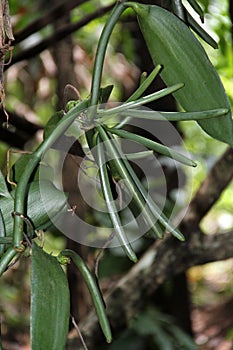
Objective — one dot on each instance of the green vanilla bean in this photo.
(200, 31)
(151, 204)
(172, 116)
(20, 193)
(91, 137)
(141, 101)
(119, 163)
(152, 145)
(178, 9)
(145, 84)
(93, 289)
(197, 8)
(138, 155)
(142, 88)
(112, 210)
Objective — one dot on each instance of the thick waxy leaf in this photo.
(20, 165)
(172, 44)
(54, 201)
(3, 187)
(50, 302)
(2, 232)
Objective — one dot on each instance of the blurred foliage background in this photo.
(32, 88)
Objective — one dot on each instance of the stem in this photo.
(100, 54)
(21, 189)
(6, 259)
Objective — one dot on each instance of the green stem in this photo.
(6, 259)
(21, 189)
(100, 54)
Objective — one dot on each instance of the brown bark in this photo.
(217, 180)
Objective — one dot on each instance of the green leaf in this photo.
(147, 325)
(18, 168)
(7, 207)
(2, 232)
(50, 302)
(20, 165)
(54, 202)
(54, 199)
(3, 187)
(172, 44)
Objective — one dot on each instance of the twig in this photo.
(79, 333)
(55, 13)
(58, 36)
